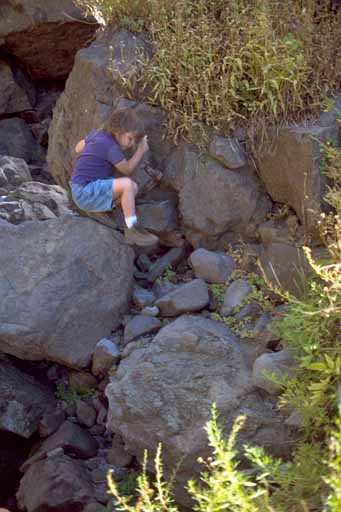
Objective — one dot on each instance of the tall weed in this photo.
(227, 64)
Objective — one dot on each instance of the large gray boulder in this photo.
(85, 104)
(23, 401)
(64, 284)
(164, 394)
(214, 200)
(291, 171)
(44, 35)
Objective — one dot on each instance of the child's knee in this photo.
(131, 185)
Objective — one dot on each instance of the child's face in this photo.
(126, 140)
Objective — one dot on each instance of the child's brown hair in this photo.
(122, 121)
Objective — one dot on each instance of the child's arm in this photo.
(80, 146)
(127, 166)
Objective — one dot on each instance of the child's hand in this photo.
(143, 144)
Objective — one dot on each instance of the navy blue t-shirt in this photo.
(95, 162)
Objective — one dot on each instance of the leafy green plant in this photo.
(70, 395)
(152, 496)
(127, 486)
(333, 479)
(167, 275)
(218, 291)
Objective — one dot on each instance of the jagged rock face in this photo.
(13, 98)
(34, 201)
(13, 172)
(164, 394)
(44, 35)
(214, 199)
(85, 104)
(16, 140)
(23, 401)
(285, 266)
(55, 483)
(291, 172)
(64, 286)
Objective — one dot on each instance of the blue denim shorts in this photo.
(95, 196)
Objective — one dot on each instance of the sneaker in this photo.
(102, 218)
(139, 236)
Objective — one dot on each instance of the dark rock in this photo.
(186, 298)
(291, 171)
(117, 454)
(74, 440)
(230, 204)
(163, 287)
(35, 32)
(228, 151)
(234, 295)
(139, 326)
(170, 259)
(12, 97)
(16, 140)
(102, 416)
(106, 355)
(150, 311)
(158, 217)
(57, 483)
(54, 197)
(18, 211)
(51, 422)
(272, 231)
(86, 414)
(97, 430)
(213, 267)
(68, 281)
(81, 382)
(285, 267)
(13, 172)
(142, 297)
(278, 363)
(251, 310)
(23, 401)
(143, 262)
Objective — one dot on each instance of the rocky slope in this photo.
(106, 351)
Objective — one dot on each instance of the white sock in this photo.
(130, 221)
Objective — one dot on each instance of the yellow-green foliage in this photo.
(225, 63)
(334, 464)
(272, 486)
(332, 169)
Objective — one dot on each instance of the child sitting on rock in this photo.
(92, 184)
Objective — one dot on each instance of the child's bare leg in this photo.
(124, 191)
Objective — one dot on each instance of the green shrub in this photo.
(272, 485)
